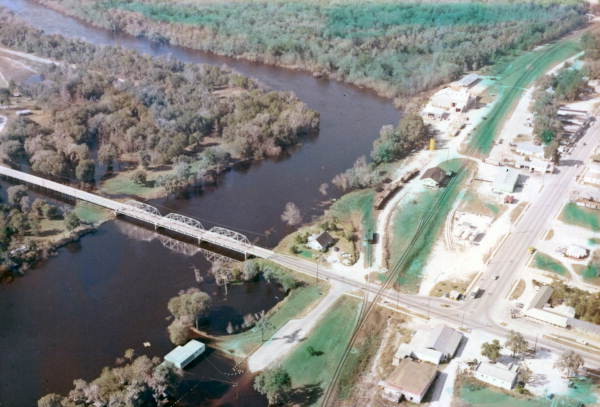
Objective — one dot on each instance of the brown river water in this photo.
(80, 310)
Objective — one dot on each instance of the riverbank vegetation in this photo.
(30, 230)
(394, 48)
(301, 294)
(140, 381)
(128, 110)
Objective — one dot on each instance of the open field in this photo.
(577, 215)
(512, 79)
(545, 262)
(407, 219)
(330, 337)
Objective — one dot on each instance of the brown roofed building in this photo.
(324, 241)
(410, 380)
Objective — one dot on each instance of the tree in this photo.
(525, 374)
(570, 363)
(15, 193)
(291, 214)
(139, 177)
(50, 400)
(186, 307)
(85, 171)
(72, 221)
(274, 384)
(4, 96)
(491, 350)
(517, 343)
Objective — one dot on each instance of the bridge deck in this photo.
(221, 237)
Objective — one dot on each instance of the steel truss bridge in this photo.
(148, 214)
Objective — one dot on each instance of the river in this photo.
(79, 311)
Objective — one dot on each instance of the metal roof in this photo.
(468, 80)
(541, 297)
(180, 354)
(497, 371)
(444, 339)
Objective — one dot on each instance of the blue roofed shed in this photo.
(181, 356)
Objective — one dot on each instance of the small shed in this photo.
(497, 375)
(182, 356)
(506, 180)
(530, 149)
(434, 177)
(324, 241)
(25, 112)
(410, 380)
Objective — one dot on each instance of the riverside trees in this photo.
(395, 48)
(152, 111)
(186, 308)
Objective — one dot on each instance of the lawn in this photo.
(544, 262)
(92, 214)
(580, 216)
(330, 336)
(591, 271)
(414, 250)
(122, 184)
(512, 78)
(294, 304)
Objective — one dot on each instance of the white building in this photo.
(448, 101)
(182, 356)
(497, 374)
(410, 380)
(505, 180)
(547, 316)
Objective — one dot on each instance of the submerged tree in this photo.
(187, 307)
(291, 215)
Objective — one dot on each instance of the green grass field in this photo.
(330, 336)
(580, 216)
(90, 213)
(296, 302)
(512, 79)
(477, 395)
(406, 221)
(544, 262)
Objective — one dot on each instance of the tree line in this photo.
(395, 48)
(112, 104)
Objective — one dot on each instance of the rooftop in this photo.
(468, 80)
(443, 339)
(436, 174)
(180, 354)
(412, 377)
(325, 239)
(498, 371)
(541, 297)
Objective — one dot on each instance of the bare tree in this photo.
(517, 343)
(291, 215)
(323, 188)
(569, 362)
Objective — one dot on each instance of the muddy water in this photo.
(80, 310)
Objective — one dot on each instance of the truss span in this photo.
(186, 221)
(238, 237)
(143, 207)
(178, 246)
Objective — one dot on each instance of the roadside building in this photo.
(588, 203)
(410, 380)
(536, 165)
(547, 316)
(182, 356)
(563, 310)
(530, 149)
(541, 297)
(506, 180)
(435, 177)
(435, 346)
(592, 174)
(324, 241)
(499, 375)
(584, 326)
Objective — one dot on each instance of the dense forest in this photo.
(108, 103)
(395, 48)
